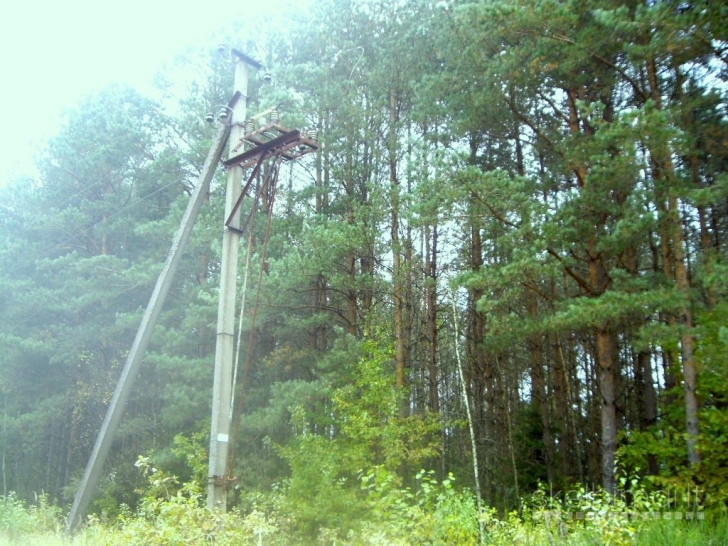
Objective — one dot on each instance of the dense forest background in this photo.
(518, 208)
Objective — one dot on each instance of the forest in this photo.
(493, 299)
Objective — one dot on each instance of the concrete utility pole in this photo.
(149, 320)
(225, 342)
(271, 140)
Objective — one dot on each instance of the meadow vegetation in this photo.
(382, 512)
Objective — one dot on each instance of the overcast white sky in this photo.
(53, 52)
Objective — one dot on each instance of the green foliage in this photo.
(551, 146)
(194, 452)
(666, 531)
(665, 442)
(171, 513)
(632, 516)
(19, 520)
(367, 408)
(430, 512)
(366, 431)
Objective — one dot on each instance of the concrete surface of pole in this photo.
(225, 342)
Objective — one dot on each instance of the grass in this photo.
(684, 534)
(393, 517)
(511, 531)
(653, 533)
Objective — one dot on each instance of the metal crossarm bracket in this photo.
(246, 189)
(271, 140)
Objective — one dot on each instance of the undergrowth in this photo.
(431, 513)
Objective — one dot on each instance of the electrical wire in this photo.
(270, 186)
(251, 230)
(46, 252)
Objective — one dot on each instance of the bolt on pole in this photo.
(225, 342)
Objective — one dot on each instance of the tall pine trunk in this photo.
(674, 250)
(398, 288)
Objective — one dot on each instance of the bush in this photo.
(18, 520)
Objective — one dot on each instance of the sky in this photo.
(53, 52)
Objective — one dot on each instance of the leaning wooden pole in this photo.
(149, 320)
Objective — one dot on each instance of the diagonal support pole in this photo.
(149, 320)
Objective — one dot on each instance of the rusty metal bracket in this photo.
(245, 191)
(272, 140)
(248, 157)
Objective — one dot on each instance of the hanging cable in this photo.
(251, 231)
(46, 252)
(268, 189)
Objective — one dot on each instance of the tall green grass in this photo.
(700, 533)
(434, 514)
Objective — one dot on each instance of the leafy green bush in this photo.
(18, 520)
(434, 513)
(665, 443)
(323, 490)
(429, 513)
(14, 518)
